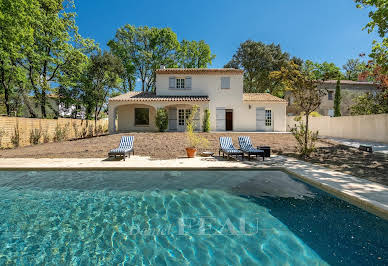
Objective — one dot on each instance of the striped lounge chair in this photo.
(226, 147)
(246, 146)
(124, 149)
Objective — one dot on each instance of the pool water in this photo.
(179, 218)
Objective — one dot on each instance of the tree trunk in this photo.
(43, 103)
(6, 100)
(306, 133)
(6, 90)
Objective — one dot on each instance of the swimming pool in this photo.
(181, 217)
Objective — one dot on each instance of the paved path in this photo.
(377, 147)
(363, 193)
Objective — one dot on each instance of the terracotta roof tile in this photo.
(136, 96)
(262, 97)
(199, 71)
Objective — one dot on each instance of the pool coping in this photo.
(314, 175)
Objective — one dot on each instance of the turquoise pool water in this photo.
(179, 218)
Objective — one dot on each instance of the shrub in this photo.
(84, 132)
(90, 131)
(206, 121)
(35, 135)
(99, 130)
(15, 138)
(299, 132)
(76, 129)
(46, 136)
(60, 133)
(2, 134)
(161, 119)
(315, 114)
(195, 141)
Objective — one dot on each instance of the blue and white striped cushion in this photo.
(126, 145)
(246, 145)
(226, 145)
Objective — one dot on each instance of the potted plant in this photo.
(195, 140)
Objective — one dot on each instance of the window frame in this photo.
(330, 95)
(180, 83)
(142, 108)
(225, 78)
(268, 118)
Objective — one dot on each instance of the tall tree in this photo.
(147, 49)
(353, 68)
(337, 99)
(16, 31)
(307, 96)
(99, 80)
(322, 71)
(258, 60)
(193, 54)
(58, 49)
(379, 18)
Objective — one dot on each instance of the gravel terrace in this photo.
(330, 154)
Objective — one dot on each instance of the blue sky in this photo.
(318, 30)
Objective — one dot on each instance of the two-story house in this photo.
(218, 90)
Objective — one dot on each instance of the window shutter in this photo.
(171, 83)
(225, 83)
(188, 83)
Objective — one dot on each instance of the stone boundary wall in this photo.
(362, 127)
(71, 128)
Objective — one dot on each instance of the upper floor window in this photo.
(330, 95)
(225, 82)
(179, 83)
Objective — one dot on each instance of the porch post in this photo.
(112, 118)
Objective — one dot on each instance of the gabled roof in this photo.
(200, 71)
(136, 96)
(262, 97)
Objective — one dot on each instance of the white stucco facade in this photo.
(218, 90)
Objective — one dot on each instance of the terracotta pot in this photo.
(191, 152)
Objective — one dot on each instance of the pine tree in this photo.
(337, 99)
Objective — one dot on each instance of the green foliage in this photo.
(15, 138)
(35, 135)
(368, 104)
(2, 134)
(98, 81)
(46, 136)
(379, 18)
(193, 54)
(337, 99)
(307, 98)
(258, 60)
(195, 140)
(206, 121)
(58, 53)
(147, 49)
(321, 71)
(16, 27)
(353, 68)
(161, 119)
(305, 138)
(60, 133)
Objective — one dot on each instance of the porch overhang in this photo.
(137, 97)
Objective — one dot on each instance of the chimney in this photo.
(162, 67)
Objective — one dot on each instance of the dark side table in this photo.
(266, 149)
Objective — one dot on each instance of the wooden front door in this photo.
(228, 120)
